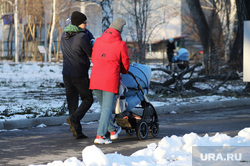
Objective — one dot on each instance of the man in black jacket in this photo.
(77, 48)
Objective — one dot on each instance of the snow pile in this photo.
(172, 150)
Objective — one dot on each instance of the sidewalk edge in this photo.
(53, 121)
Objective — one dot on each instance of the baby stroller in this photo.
(137, 82)
(182, 59)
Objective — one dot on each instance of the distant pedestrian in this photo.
(109, 58)
(77, 48)
(170, 52)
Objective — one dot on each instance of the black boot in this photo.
(79, 133)
(76, 128)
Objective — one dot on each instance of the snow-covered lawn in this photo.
(32, 90)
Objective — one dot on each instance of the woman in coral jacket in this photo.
(109, 58)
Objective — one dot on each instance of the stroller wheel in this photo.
(130, 132)
(142, 129)
(154, 129)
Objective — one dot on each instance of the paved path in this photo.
(44, 145)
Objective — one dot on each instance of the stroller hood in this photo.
(182, 55)
(142, 74)
(134, 95)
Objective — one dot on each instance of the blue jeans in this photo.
(106, 100)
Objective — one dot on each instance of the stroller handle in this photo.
(139, 86)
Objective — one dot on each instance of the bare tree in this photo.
(209, 18)
(145, 16)
(228, 18)
(30, 11)
(60, 10)
(107, 12)
(52, 28)
(9, 7)
(202, 25)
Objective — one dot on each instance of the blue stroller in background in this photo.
(182, 59)
(137, 81)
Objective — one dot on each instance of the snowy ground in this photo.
(30, 90)
(33, 90)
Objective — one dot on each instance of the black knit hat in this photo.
(77, 18)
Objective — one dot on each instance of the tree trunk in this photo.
(39, 37)
(33, 35)
(52, 29)
(24, 44)
(236, 55)
(8, 42)
(60, 30)
(11, 45)
(203, 28)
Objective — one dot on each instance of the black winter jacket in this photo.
(170, 48)
(76, 49)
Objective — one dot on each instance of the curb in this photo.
(203, 106)
(48, 121)
(53, 121)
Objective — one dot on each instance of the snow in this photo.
(41, 125)
(171, 151)
(32, 90)
(29, 88)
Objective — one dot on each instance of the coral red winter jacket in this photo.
(109, 58)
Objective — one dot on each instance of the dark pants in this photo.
(170, 57)
(75, 87)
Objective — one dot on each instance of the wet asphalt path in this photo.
(44, 145)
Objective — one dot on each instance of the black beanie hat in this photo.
(77, 18)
